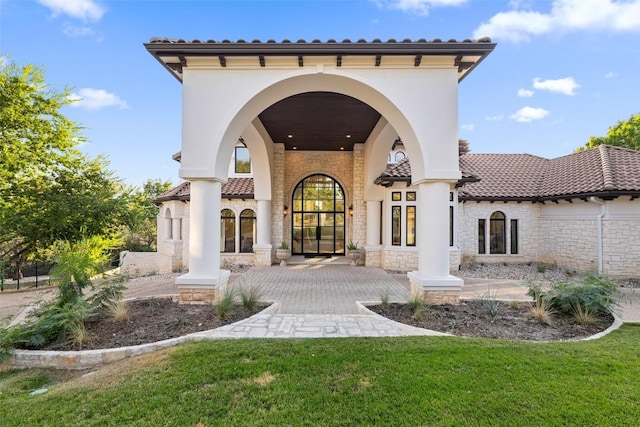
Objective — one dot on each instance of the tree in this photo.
(49, 191)
(625, 133)
(139, 220)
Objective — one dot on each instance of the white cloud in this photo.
(95, 99)
(73, 31)
(86, 10)
(468, 127)
(496, 118)
(420, 7)
(525, 93)
(566, 86)
(521, 23)
(610, 75)
(529, 114)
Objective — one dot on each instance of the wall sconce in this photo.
(351, 210)
(286, 210)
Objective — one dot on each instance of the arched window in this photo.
(247, 230)
(242, 158)
(497, 233)
(168, 228)
(399, 156)
(227, 231)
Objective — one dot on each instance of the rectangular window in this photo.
(396, 225)
(411, 196)
(411, 225)
(243, 160)
(514, 236)
(450, 225)
(481, 237)
(396, 196)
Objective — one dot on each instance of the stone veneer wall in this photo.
(406, 259)
(143, 263)
(300, 164)
(621, 248)
(468, 214)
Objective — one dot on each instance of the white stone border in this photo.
(86, 359)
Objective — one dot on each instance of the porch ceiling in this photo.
(319, 121)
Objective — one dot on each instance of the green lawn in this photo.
(365, 381)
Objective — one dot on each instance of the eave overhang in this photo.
(175, 54)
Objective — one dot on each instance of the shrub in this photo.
(119, 311)
(249, 297)
(594, 295)
(225, 304)
(541, 311)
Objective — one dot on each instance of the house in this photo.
(580, 212)
(319, 135)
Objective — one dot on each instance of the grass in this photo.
(357, 381)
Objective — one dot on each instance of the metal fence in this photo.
(33, 274)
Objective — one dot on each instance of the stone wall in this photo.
(301, 164)
(468, 214)
(142, 263)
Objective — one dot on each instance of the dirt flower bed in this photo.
(152, 320)
(511, 321)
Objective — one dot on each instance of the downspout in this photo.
(599, 227)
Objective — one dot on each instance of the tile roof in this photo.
(234, 188)
(604, 171)
(314, 41)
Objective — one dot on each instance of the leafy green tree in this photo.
(139, 217)
(625, 133)
(49, 190)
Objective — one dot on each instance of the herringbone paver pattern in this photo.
(322, 289)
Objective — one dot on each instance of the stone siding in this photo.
(468, 214)
(140, 263)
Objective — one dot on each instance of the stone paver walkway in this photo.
(322, 289)
(318, 298)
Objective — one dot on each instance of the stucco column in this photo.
(205, 281)
(432, 281)
(373, 246)
(262, 248)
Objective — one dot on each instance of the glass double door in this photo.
(318, 217)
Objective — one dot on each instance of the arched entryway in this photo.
(318, 217)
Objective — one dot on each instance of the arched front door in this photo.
(318, 217)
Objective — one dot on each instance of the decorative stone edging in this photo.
(86, 359)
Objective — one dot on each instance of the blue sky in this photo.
(563, 70)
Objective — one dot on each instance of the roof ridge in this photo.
(607, 173)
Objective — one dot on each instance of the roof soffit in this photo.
(175, 54)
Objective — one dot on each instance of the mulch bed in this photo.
(512, 321)
(152, 320)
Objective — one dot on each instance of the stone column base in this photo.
(435, 290)
(262, 255)
(201, 290)
(373, 256)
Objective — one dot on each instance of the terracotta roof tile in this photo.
(604, 171)
(234, 188)
(502, 176)
(314, 41)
